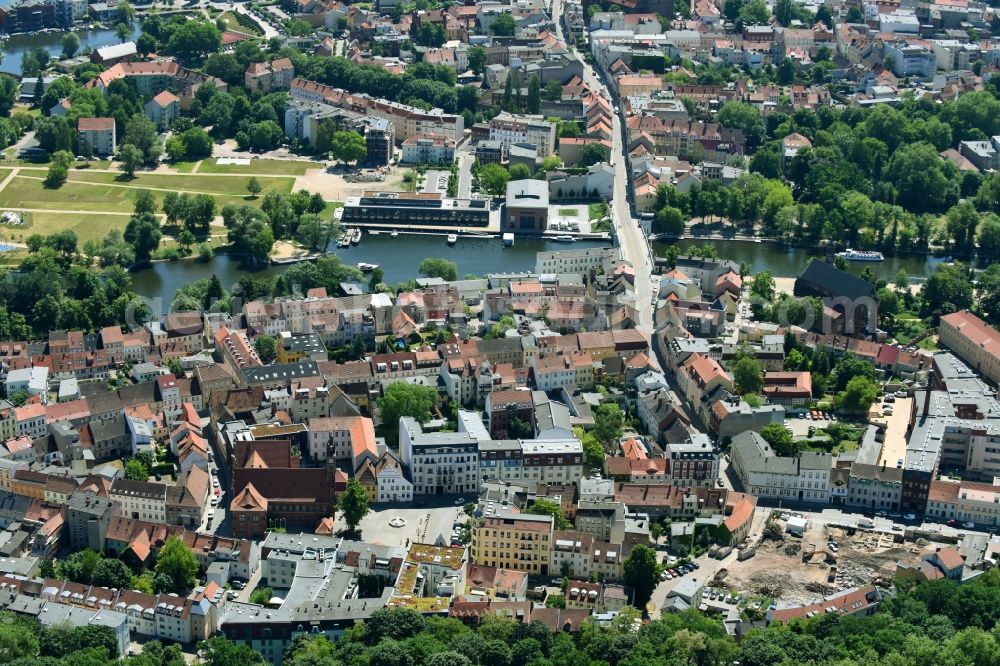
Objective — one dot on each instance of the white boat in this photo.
(564, 239)
(452, 239)
(394, 233)
(861, 255)
(508, 240)
(355, 236)
(365, 267)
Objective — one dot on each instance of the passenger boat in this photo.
(452, 239)
(564, 239)
(365, 267)
(861, 255)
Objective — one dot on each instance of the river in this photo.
(785, 261)
(398, 257)
(15, 46)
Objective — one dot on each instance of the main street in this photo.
(631, 239)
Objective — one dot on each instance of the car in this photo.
(695, 564)
(238, 584)
(802, 415)
(215, 483)
(460, 501)
(909, 516)
(900, 394)
(663, 575)
(215, 500)
(951, 523)
(968, 525)
(211, 514)
(832, 546)
(158, 476)
(231, 594)
(218, 492)
(881, 514)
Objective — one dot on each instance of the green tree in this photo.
(534, 95)
(143, 233)
(493, 179)
(402, 399)
(266, 348)
(739, 115)
(70, 44)
(112, 573)
(177, 564)
(349, 146)
(194, 40)
(609, 423)
(641, 572)
(594, 152)
(748, 375)
(520, 172)
(947, 289)
(131, 159)
(218, 651)
(546, 507)
(504, 25)
(670, 220)
(353, 504)
(136, 471)
(58, 169)
(859, 395)
(477, 59)
(253, 186)
(261, 596)
(437, 267)
(779, 438)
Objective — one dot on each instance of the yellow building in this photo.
(513, 541)
(366, 477)
(294, 348)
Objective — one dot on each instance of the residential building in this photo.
(269, 76)
(440, 463)
(163, 109)
(428, 150)
(973, 340)
(98, 134)
(513, 541)
(804, 478)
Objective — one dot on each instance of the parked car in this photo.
(909, 516)
(968, 525)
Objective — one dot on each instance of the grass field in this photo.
(86, 226)
(183, 167)
(235, 186)
(97, 197)
(268, 167)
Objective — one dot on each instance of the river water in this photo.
(400, 258)
(15, 46)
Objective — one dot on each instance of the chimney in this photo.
(927, 400)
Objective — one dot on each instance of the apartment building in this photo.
(269, 76)
(428, 150)
(141, 500)
(98, 134)
(974, 341)
(509, 129)
(440, 463)
(804, 478)
(513, 541)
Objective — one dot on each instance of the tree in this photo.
(534, 95)
(594, 152)
(253, 186)
(144, 202)
(504, 25)
(79, 566)
(131, 159)
(859, 395)
(609, 423)
(266, 348)
(739, 115)
(477, 59)
(849, 367)
(445, 269)
(641, 572)
(402, 399)
(779, 438)
(762, 287)
(349, 146)
(553, 91)
(125, 13)
(670, 220)
(143, 233)
(58, 169)
(177, 564)
(493, 179)
(141, 133)
(136, 471)
(112, 573)
(754, 12)
(353, 504)
(193, 40)
(18, 398)
(922, 179)
(748, 375)
(520, 172)
(946, 290)
(219, 651)
(70, 44)
(546, 507)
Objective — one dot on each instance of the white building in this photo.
(440, 463)
(391, 483)
(34, 380)
(805, 478)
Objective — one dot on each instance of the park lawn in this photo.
(184, 167)
(233, 23)
(193, 183)
(90, 197)
(86, 226)
(263, 167)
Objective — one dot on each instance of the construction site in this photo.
(791, 569)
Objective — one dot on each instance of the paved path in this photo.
(10, 177)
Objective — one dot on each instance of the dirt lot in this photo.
(778, 570)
